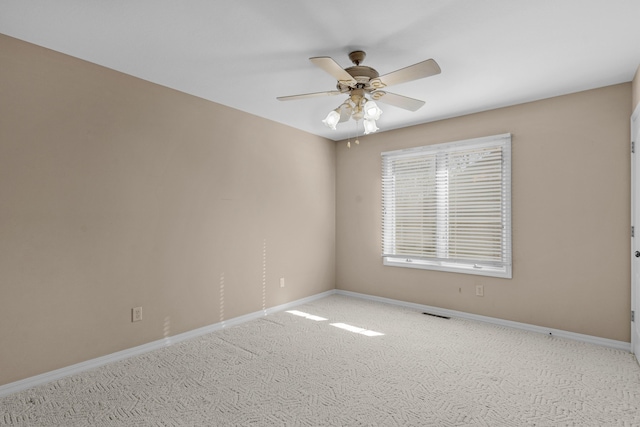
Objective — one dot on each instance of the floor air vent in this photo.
(436, 315)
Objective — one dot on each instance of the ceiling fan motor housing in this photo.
(362, 75)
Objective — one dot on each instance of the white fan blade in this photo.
(333, 68)
(413, 72)
(309, 95)
(396, 100)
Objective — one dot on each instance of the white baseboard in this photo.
(37, 380)
(620, 345)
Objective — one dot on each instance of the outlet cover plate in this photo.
(136, 314)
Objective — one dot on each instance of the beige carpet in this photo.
(295, 370)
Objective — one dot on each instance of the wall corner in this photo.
(635, 90)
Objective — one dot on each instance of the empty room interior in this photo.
(166, 177)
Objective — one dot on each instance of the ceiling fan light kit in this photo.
(363, 84)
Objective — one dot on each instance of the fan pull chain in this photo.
(349, 137)
(357, 141)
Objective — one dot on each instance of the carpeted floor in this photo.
(290, 369)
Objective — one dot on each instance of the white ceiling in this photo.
(245, 53)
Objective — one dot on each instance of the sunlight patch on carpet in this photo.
(307, 315)
(357, 330)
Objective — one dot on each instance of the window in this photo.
(448, 207)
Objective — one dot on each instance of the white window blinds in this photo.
(448, 206)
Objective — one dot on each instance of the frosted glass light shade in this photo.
(372, 111)
(370, 126)
(332, 119)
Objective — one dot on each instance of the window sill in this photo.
(502, 272)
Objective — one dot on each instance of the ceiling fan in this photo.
(364, 85)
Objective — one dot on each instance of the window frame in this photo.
(502, 269)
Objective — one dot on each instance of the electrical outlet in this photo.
(136, 314)
(480, 290)
(282, 282)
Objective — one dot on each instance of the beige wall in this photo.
(115, 193)
(636, 89)
(571, 216)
